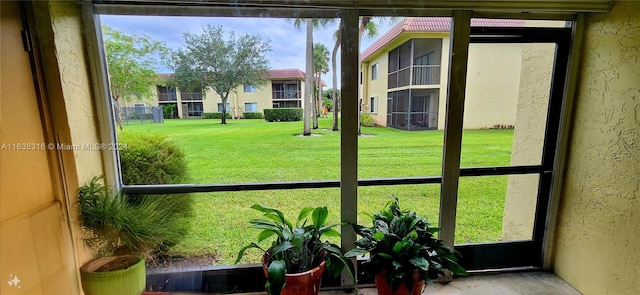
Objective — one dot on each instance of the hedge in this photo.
(155, 159)
(216, 115)
(252, 115)
(283, 114)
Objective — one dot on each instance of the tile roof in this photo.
(286, 74)
(274, 74)
(432, 24)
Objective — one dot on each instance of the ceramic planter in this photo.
(128, 281)
(384, 289)
(304, 283)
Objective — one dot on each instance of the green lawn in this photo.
(259, 151)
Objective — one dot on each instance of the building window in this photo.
(192, 94)
(251, 107)
(372, 104)
(374, 72)
(192, 109)
(220, 107)
(249, 88)
(361, 78)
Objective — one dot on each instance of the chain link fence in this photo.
(139, 114)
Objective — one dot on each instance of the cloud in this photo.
(288, 43)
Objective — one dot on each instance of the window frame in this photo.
(349, 67)
(374, 72)
(251, 88)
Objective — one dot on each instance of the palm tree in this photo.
(320, 66)
(366, 25)
(308, 77)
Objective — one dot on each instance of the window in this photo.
(249, 88)
(372, 104)
(374, 72)
(251, 107)
(228, 109)
(410, 108)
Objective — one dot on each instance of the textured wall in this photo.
(598, 238)
(528, 137)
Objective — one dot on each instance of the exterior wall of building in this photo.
(236, 100)
(40, 235)
(528, 138)
(597, 240)
(492, 84)
(377, 88)
(493, 80)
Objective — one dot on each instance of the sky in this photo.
(287, 42)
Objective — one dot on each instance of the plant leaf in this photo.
(265, 234)
(303, 214)
(420, 263)
(319, 216)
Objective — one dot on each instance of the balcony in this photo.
(191, 95)
(286, 94)
(415, 75)
(167, 96)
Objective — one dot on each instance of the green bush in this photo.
(252, 115)
(154, 159)
(283, 114)
(216, 115)
(367, 121)
(167, 110)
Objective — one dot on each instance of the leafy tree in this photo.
(130, 63)
(320, 66)
(208, 60)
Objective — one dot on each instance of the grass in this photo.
(259, 151)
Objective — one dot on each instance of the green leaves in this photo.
(319, 216)
(276, 277)
(296, 249)
(220, 61)
(402, 242)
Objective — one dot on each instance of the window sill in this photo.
(517, 283)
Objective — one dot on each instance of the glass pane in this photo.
(496, 208)
(506, 103)
(248, 150)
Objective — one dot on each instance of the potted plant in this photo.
(403, 250)
(298, 256)
(120, 233)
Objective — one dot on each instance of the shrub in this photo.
(154, 159)
(367, 121)
(167, 111)
(252, 115)
(216, 115)
(283, 114)
(113, 225)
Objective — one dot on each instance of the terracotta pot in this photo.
(304, 283)
(384, 289)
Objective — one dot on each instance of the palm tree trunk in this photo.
(119, 114)
(308, 80)
(335, 80)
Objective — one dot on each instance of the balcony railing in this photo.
(191, 95)
(422, 75)
(286, 94)
(167, 97)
